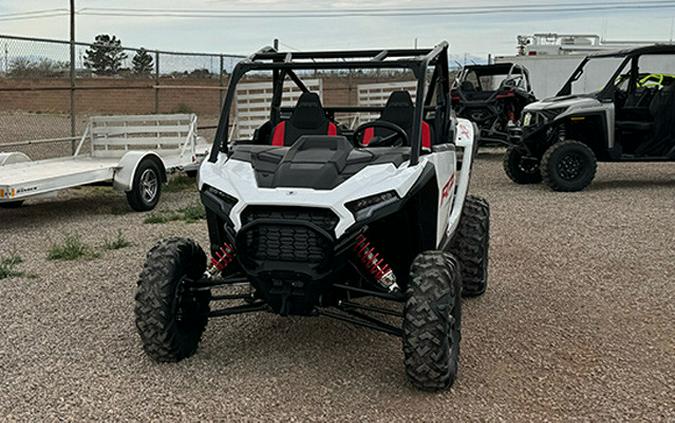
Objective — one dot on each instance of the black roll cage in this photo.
(495, 69)
(630, 55)
(284, 64)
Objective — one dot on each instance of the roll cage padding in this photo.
(308, 118)
(399, 110)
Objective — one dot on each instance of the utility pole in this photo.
(72, 73)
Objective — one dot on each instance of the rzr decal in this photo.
(445, 193)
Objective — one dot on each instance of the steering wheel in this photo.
(397, 139)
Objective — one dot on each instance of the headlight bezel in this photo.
(364, 208)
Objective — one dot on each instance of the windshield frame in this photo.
(608, 89)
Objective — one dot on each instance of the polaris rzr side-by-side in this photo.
(492, 96)
(313, 217)
(631, 118)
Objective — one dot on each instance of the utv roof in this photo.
(269, 58)
(638, 51)
(493, 69)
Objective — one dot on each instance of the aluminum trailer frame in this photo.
(118, 146)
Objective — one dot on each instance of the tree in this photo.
(105, 56)
(24, 67)
(142, 62)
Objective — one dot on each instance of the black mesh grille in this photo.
(287, 242)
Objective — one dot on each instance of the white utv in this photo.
(313, 216)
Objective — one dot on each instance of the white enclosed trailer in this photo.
(132, 153)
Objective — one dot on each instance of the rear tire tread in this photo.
(471, 245)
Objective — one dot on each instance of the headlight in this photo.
(365, 207)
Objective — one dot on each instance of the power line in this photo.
(33, 12)
(664, 3)
(23, 18)
(385, 12)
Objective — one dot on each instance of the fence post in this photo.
(72, 76)
(157, 82)
(222, 81)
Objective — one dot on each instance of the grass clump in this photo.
(72, 248)
(193, 213)
(181, 183)
(8, 266)
(116, 243)
(161, 217)
(190, 214)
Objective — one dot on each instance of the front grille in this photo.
(291, 242)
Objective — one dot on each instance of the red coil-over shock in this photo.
(221, 259)
(374, 264)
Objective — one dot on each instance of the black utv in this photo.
(631, 118)
(492, 96)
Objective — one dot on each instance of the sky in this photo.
(475, 35)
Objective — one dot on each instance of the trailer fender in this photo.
(13, 157)
(126, 168)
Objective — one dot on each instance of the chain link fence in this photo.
(45, 103)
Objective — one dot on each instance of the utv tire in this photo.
(146, 187)
(11, 205)
(170, 319)
(432, 321)
(568, 166)
(471, 245)
(520, 169)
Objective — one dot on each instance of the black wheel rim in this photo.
(528, 166)
(570, 166)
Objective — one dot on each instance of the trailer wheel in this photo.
(147, 186)
(432, 321)
(568, 166)
(171, 319)
(11, 205)
(471, 245)
(520, 169)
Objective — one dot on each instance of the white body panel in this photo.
(117, 145)
(237, 178)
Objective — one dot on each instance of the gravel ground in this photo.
(577, 322)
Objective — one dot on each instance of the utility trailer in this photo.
(133, 153)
